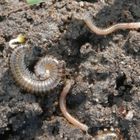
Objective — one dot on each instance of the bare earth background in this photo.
(106, 70)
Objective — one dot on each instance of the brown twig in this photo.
(62, 103)
(16, 10)
(21, 8)
(120, 26)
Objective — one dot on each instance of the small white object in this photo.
(12, 43)
(129, 115)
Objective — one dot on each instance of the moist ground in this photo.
(106, 69)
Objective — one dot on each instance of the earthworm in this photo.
(63, 108)
(120, 26)
(48, 71)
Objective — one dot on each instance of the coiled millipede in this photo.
(48, 70)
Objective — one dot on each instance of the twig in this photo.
(16, 10)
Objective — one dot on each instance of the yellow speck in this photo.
(21, 38)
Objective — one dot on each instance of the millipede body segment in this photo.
(48, 71)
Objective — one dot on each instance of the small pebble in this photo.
(129, 115)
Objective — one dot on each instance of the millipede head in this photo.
(48, 67)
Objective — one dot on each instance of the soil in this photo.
(106, 70)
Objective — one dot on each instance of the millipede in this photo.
(47, 71)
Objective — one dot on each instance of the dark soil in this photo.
(106, 70)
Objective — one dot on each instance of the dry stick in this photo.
(21, 8)
(62, 103)
(16, 10)
(109, 30)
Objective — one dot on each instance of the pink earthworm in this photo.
(120, 26)
(63, 108)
